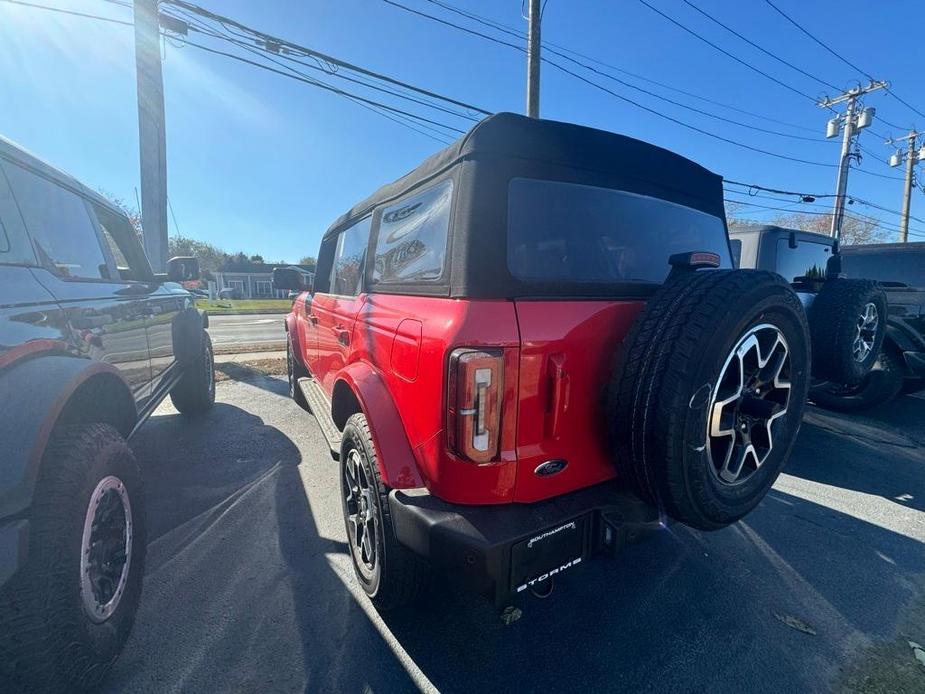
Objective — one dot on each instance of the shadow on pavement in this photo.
(684, 611)
(240, 593)
(248, 587)
(880, 453)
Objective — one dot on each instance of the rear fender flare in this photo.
(37, 392)
(396, 461)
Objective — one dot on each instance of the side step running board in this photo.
(321, 408)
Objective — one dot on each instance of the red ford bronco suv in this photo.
(533, 341)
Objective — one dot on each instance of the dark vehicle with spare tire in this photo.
(866, 308)
(530, 346)
(91, 341)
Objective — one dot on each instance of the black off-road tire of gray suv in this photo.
(847, 322)
(389, 573)
(708, 393)
(65, 616)
(194, 393)
(883, 383)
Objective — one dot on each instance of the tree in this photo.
(210, 257)
(855, 230)
(134, 216)
(256, 258)
(308, 260)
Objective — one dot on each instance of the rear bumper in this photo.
(14, 544)
(503, 550)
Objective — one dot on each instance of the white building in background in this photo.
(254, 281)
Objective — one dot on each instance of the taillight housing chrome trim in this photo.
(475, 388)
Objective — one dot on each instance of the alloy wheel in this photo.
(106, 549)
(360, 511)
(750, 395)
(867, 325)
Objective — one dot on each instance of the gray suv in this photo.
(91, 341)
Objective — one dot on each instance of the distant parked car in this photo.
(90, 342)
(200, 293)
(229, 293)
(900, 269)
(847, 316)
(898, 358)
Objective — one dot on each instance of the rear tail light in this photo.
(475, 385)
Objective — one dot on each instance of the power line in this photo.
(321, 85)
(760, 48)
(802, 194)
(196, 9)
(795, 208)
(269, 56)
(70, 12)
(421, 128)
(418, 127)
(841, 57)
(890, 226)
(727, 53)
(550, 46)
(617, 95)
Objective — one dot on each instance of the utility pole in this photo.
(850, 123)
(533, 59)
(152, 139)
(913, 156)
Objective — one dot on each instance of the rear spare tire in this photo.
(847, 321)
(708, 393)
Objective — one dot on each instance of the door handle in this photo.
(313, 319)
(343, 336)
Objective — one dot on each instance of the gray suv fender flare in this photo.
(47, 384)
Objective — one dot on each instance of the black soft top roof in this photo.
(511, 136)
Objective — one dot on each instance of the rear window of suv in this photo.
(577, 233)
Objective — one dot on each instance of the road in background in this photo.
(252, 329)
(248, 585)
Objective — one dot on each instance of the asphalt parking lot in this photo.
(249, 587)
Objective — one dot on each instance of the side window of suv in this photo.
(123, 243)
(350, 259)
(411, 245)
(59, 223)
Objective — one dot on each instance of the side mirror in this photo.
(288, 279)
(182, 269)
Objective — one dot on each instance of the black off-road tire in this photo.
(399, 575)
(666, 373)
(194, 393)
(295, 370)
(48, 642)
(833, 323)
(882, 384)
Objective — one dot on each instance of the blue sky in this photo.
(260, 163)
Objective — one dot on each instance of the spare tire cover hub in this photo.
(751, 393)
